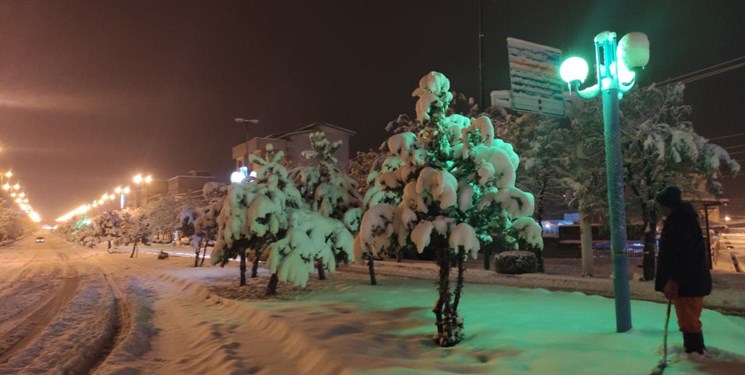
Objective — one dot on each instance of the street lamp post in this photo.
(614, 77)
(141, 182)
(246, 123)
(121, 192)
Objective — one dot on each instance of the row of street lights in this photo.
(139, 180)
(18, 196)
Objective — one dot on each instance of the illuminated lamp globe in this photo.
(574, 69)
(237, 177)
(633, 50)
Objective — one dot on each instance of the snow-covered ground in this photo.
(77, 310)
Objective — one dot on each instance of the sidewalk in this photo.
(563, 274)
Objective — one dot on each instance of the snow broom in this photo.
(663, 362)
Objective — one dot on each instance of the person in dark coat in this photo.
(682, 265)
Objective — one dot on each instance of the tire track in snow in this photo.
(38, 316)
(120, 323)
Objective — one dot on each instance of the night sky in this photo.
(92, 92)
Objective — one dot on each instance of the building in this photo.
(189, 183)
(294, 143)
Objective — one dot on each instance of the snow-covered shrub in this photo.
(516, 262)
(448, 187)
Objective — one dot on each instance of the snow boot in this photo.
(694, 342)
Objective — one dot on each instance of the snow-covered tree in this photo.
(163, 217)
(108, 227)
(455, 186)
(309, 236)
(361, 165)
(13, 223)
(205, 224)
(660, 147)
(326, 189)
(135, 229)
(254, 214)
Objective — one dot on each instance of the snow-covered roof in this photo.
(316, 126)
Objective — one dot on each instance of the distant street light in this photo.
(614, 77)
(246, 124)
(5, 175)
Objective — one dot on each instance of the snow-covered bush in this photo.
(448, 187)
(515, 262)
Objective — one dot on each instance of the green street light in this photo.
(614, 64)
(574, 69)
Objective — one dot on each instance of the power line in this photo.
(706, 72)
(727, 136)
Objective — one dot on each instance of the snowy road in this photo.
(69, 309)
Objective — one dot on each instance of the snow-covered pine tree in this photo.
(309, 236)
(254, 214)
(326, 189)
(457, 188)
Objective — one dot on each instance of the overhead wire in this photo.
(727, 136)
(705, 72)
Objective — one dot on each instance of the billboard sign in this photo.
(534, 75)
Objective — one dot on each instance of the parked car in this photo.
(39, 239)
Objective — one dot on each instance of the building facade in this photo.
(294, 143)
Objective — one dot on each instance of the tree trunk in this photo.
(487, 257)
(134, 249)
(585, 228)
(204, 253)
(650, 240)
(196, 258)
(321, 271)
(460, 262)
(371, 269)
(109, 248)
(271, 288)
(243, 266)
(446, 317)
(255, 265)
